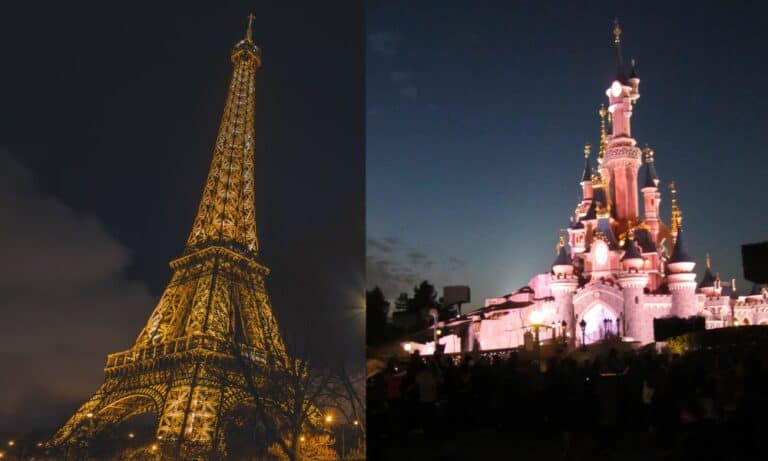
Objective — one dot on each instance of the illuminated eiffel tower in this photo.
(213, 317)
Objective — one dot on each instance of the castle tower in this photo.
(213, 324)
(651, 194)
(563, 285)
(622, 159)
(682, 279)
(632, 280)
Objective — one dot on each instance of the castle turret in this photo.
(651, 194)
(563, 285)
(622, 159)
(682, 279)
(633, 279)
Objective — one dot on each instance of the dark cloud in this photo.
(416, 256)
(379, 245)
(64, 290)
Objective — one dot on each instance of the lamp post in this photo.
(554, 331)
(563, 330)
(605, 327)
(583, 326)
(618, 325)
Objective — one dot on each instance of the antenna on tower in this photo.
(249, 31)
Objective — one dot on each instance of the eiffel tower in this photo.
(214, 313)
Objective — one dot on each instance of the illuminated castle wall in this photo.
(622, 266)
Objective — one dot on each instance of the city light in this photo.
(439, 332)
(356, 422)
(11, 443)
(89, 415)
(302, 439)
(131, 435)
(154, 447)
(407, 347)
(328, 419)
(536, 317)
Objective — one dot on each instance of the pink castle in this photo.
(620, 268)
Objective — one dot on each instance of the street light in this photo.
(536, 319)
(583, 325)
(11, 443)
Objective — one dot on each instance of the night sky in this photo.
(109, 115)
(477, 116)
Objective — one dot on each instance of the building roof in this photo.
(645, 240)
(604, 225)
(708, 280)
(680, 253)
(598, 195)
(563, 258)
(649, 175)
(631, 251)
(587, 176)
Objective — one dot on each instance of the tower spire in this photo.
(617, 40)
(708, 261)
(677, 215)
(603, 138)
(226, 215)
(249, 31)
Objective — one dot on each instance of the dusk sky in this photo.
(477, 114)
(109, 116)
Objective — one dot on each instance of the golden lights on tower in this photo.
(603, 137)
(676, 219)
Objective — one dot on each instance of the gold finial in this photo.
(249, 31)
(603, 140)
(587, 150)
(560, 245)
(616, 32)
(708, 262)
(648, 154)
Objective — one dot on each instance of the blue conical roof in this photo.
(630, 251)
(562, 258)
(649, 173)
(587, 176)
(708, 280)
(680, 253)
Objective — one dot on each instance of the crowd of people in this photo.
(620, 405)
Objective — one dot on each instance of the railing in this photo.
(180, 345)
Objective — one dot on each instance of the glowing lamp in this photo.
(89, 415)
(439, 332)
(302, 439)
(536, 317)
(154, 447)
(131, 435)
(615, 89)
(408, 347)
(11, 443)
(356, 422)
(328, 419)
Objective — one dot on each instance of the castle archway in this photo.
(601, 319)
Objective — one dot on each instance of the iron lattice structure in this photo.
(213, 323)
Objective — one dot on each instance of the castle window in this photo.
(637, 300)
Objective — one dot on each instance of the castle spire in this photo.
(603, 138)
(708, 262)
(226, 215)
(676, 219)
(587, 176)
(617, 43)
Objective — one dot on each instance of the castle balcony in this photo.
(176, 348)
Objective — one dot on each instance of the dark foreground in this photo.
(709, 404)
